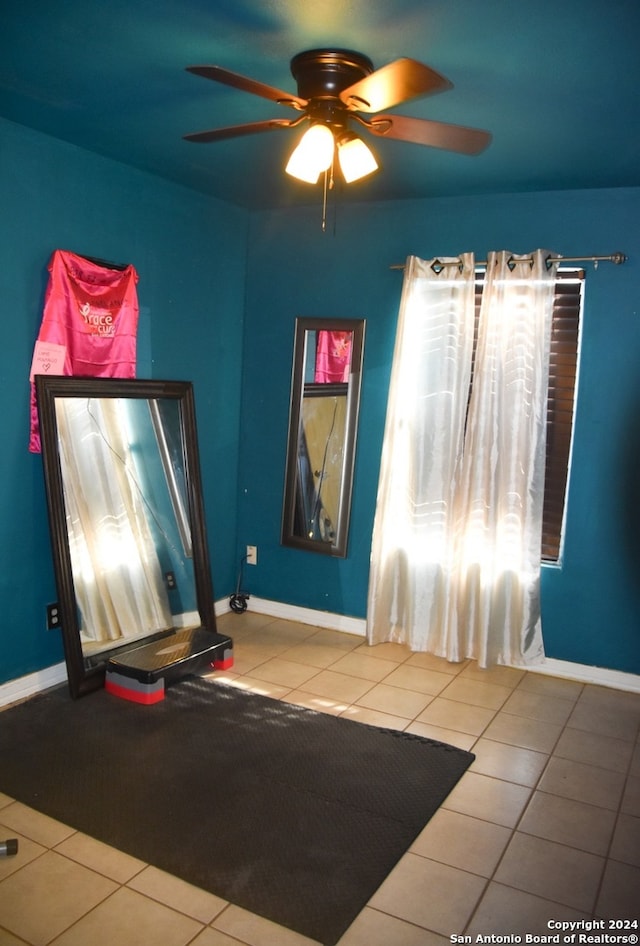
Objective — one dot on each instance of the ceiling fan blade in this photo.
(392, 84)
(422, 131)
(238, 131)
(218, 74)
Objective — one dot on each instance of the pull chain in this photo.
(327, 186)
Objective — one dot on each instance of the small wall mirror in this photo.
(126, 516)
(323, 422)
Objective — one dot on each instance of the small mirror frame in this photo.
(84, 679)
(337, 548)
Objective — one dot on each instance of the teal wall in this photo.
(219, 292)
(189, 252)
(591, 605)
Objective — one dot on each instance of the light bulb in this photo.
(313, 155)
(356, 158)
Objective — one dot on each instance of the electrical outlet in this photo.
(53, 616)
(170, 580)
(252, 554)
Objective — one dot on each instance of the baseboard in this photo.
(291, 612)
(16, 690)
(615, 679)
(23, 687)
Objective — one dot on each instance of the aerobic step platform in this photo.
(141, 674)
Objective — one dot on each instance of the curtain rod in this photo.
(617, 258)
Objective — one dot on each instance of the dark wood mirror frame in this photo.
(82, 677)
(301, 391)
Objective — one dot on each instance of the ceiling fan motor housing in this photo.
(325, 73)
(321, 75)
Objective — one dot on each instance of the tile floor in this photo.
(545, 825)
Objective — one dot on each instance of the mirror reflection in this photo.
(322, 431)
(126, 515)
(122, 488)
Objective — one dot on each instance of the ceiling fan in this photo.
(339, 88)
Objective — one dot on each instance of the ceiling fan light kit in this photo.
(335, 88)
(356, 158)
(313, 154)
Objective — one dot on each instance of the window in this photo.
(563, 367)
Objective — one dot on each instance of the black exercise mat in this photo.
(295, 815)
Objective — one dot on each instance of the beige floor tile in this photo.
(221, 676)
(552, 871)
(618, 898)
(321, 704)
(540, 706)
(175, 893)
(566, 821)
(8, 939)
(477, 693)
(33, 824)
(246, 659)
(100, 857)
(129, 918)
(313, 654)
(259, 649)
(255, 930)
(418, 680)
(598, 716)
(431, 895)
(394, 700)
(621, 701)
(288, 632)
(262, 687)
(28, 850)
(372, 928)
(397, 653)
(603, 751)
(439, 664)
(506, 911)
(464, 842)
(500, 676)
(337, 686)
(337, 639)
(586, 783)
(551, 686)
(626, 840)
(450, 714)
(357, 664)
(211, 937)
(5, 800)
(460, 739)
(526, 733)
(283, 672)
(361, 714)
(489, 799)
(48, 895)
(238, 626)
(511, 763)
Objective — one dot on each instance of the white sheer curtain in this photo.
(116, 571)
(455, 562)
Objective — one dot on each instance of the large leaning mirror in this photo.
(126, 516)
(323, 422)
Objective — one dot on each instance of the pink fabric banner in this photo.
(89, 325)
(333, 356)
